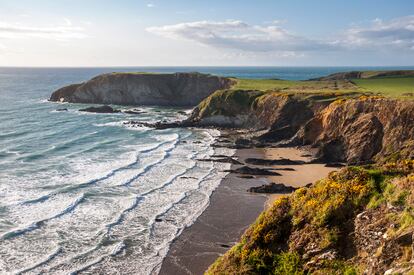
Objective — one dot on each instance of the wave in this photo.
(37, 224)
(108, 175)
(117, 249)
(47, 259)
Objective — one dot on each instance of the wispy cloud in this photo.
(395, 33)
(58, 32)
(239, 35)
(150, 5)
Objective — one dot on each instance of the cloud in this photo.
(395, 33)
(150, 5)
(62, 32)
(239, 35)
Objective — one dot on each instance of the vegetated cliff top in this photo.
(358, 220)
(396, 84)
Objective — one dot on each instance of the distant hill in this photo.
(367, 74)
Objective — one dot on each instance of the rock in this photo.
(253, 171)
(246, 177)
(272, 188)
(182, 113)
(179, 89)
(134, 112)
(335, 164)
(224, 160)
(101, 109)
(159, 125)
(62, 110)
(281, 161)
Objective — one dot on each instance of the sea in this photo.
(85, 193)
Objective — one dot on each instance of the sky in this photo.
(89, 33)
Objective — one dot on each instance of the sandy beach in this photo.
(232, 209)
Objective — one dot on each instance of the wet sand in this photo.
(232, 209)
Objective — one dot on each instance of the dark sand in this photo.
(232, 209)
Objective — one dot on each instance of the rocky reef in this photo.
(179, 89)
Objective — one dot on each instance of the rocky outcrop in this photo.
(179, 89)
(101, 109)
(361, 130)
(351, 129)
(272, 188)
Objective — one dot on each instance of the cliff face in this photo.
(350, 129)
(360, 130)
(179, 89)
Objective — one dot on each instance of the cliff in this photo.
(179, 89)
(350, 127)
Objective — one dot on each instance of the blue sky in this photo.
(180, 33)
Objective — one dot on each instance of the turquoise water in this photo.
(85, 193)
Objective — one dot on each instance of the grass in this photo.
(394, 87)
(402, 87)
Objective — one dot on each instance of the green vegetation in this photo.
(389, 86)
(228, 102)
(340, 86)
(291, 236)
(393, 85)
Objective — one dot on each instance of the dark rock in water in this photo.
(62, 110)
(133, 112)
(253, 171)
(101, 109)
(160, 125)
(181, 113)
(272, 188)
(225, 245)
(334, 164)
(281, 161)
(224, 160)
(158, 220)
(306, 156)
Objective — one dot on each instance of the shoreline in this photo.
(233, 209)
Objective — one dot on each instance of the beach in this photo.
(232, 209)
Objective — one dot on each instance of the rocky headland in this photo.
(179, 89)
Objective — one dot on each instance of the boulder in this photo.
(272, 188)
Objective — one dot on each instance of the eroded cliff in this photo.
(179, 89)
(351, 128)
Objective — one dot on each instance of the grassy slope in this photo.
(390, 86)
(316, 218)
(396, 87)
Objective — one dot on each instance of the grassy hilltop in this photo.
(400, 86)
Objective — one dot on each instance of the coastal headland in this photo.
(359, 219)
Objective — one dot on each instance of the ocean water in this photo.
(84, 193)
